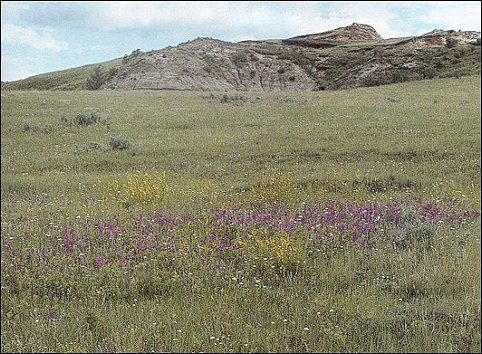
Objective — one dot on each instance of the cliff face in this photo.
(208, 64)
(345, 57)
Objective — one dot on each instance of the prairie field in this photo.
(162, 221)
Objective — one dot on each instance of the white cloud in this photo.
(456, 16)
(28, 37)
(235, 18)
(260, 19)
(228, 20)
(139, 15)
(17, 74)
(17, 68)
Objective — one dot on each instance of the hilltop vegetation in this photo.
(347, 57)
(65, 80)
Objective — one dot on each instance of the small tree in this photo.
(113, 71)
(450, 42)
(96, 79)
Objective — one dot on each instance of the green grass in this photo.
(69, 79)
(420, 138)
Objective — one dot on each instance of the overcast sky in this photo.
(39, 37)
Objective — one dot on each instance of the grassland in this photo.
(63, 80)
(318, 221)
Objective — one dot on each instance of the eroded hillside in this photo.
(346, 57)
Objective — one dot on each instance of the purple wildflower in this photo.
(99, 262)
(51, 315)
(7, 244)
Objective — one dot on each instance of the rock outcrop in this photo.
(354, 32)
(209, 64)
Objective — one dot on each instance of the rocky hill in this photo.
(345, 57)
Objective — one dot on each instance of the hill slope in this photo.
(345, 57)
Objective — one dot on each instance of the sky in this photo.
(39, 37)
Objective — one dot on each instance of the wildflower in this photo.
(99, 262)
(7, 244)
(51, 315)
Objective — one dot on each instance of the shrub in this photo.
(378, 52)
(63, 118)
(376, 79)
(235, 99)
(27, 126)
(292, 100)
(297, 57)
(450, 42)
(253, 57)
(239, 57)
(32, 127)
(415, 237)
(46, 128)
(136, 189)
(416, 234)
(280, 188)
(428, 73)
(119, 143)
(87, 117)
(92, 146)
(273, 249)
(96, 79)
(113, 71)
(397, 76)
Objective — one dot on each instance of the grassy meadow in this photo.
(342, 221)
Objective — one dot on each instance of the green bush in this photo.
(239, 57)
(87, 117)
(92, 146)
(418, 237)
(416, 234)
(96, 79)
(63, 118)
(450, 42)
(32, 127)
(235, 99)
(113, 71)
(119, 143)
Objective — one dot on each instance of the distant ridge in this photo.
(345, 57)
